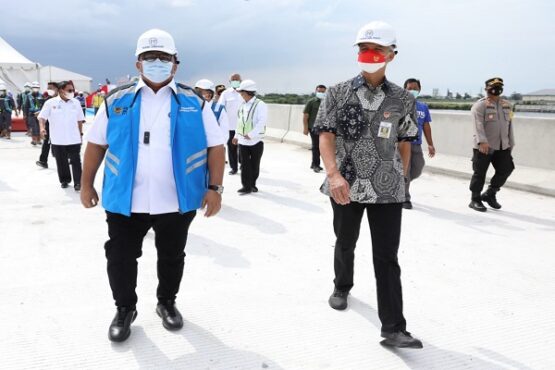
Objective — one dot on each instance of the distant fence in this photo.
(452, 133)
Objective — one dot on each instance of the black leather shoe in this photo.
(244, 191)
(120, 328)
(400, 339)
(77, 187)
(338, 300)
(407, 204)
(171, 317)
(254, 189)
(489, 197)
(232, 172)
(64, 185)
(42, 164)
(477, 205)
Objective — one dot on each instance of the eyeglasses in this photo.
(69, 91)
(151, 57)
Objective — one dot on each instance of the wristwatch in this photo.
(217, 188)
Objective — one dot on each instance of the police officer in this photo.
(161, 145)
(7, 105)
(361, 122)
(493, 143)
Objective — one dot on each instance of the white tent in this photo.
(56, 74)
(15, 70)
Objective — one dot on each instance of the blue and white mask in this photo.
(157, 71)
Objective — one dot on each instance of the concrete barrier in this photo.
(452, 132)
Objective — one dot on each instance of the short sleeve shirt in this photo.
(311, 108)
(63, 118)
(368, 123)
(422, 116)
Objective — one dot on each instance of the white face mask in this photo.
(371, 67)
(320, 95)
(50, 92)
(69, 95)
(414, 93)
(157, 71)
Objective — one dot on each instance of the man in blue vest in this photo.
(163, 159)
(206, 89)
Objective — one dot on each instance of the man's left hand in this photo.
(431, 151)
(212, 202)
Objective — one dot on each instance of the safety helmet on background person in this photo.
(35, 85)
(377, 32)
(247, 85)
(205, 84)
(2, 87)
(27, 84)
(155, 40)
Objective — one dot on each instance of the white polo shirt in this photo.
(154, 190)
(231, 100)
(259, 120)
(63, 119)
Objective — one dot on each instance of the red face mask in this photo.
(371, 60)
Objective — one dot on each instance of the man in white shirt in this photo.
(232, 100)
(251, 126)
(162, 145)
(65, 119)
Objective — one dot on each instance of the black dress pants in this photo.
(501, 160)
(125, 246)
(45, 144)
(66, 155)
(385, 230)
(250, 163)
(315, 138)
(232, 151)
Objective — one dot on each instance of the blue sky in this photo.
(293, 45)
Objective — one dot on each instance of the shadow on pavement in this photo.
(432, 357)
(223, 255)
(249, 218)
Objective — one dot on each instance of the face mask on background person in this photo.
(371, 60)
(157, 71)
(50, 92)
(235, 84)
(2, 92)
(414, 93)
(320, 95)
(36, 90)
(69, 95)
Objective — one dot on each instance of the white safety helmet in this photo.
(156, 40)
(2, 87)
(247, 85)
(205, 84)
(35, 85)
(27, 84)
(377, 32)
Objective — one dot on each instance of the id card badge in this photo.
(385, 130)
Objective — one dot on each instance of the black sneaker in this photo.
(41, 164)
(77, 187)
(244, 191)
(171, 317)
(477, 205)
(64, 185)
(120, 328)
(400, 339)
(338, 300)
(232, 172)
(407, 204)
(254, 189)
(489, 197)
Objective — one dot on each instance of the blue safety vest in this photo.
(187, 140)
(217, 109)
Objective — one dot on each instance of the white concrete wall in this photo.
(452, 133)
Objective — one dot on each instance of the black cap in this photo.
(494, 81)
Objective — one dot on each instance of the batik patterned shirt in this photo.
(368, 123)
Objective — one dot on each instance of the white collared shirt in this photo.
(154, 190)
(231, 100)
(63, 119)
(259, 120)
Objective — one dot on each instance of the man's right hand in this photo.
(89, 197)
(305, 131)
(339, 189)
(484, 148)
(234, 141)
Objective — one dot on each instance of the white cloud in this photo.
(181, 3)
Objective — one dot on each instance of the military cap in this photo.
(494, 81)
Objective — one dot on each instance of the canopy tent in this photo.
(15, 70)
(51, 73)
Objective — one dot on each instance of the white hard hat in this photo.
(247, 85)
(156, 40)
(205, 84)
(35, 84)
(2, 87)
(377, 32)
(27, 84)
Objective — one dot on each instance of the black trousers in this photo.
(66, 155)
(502, 162)
(45, 144)
(5, 120)
(315, 138)
(250, 163)
(125, 246)
(385, 230)
(232, 151)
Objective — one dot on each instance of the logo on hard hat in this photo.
(153, 42)
(369, 34)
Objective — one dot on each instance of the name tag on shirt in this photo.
(385, 130)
